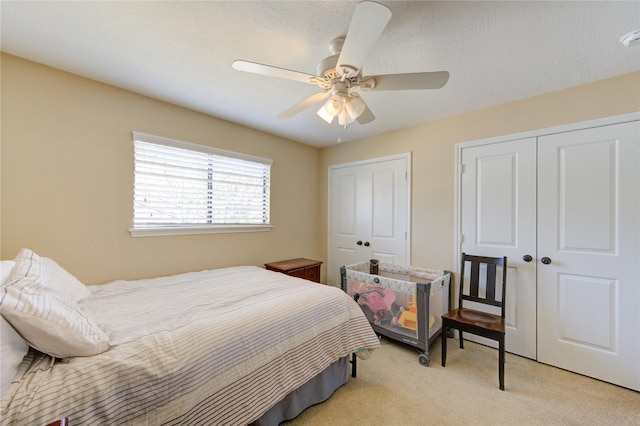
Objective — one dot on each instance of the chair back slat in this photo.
(474, 280)
(483, 275)
(491, 282)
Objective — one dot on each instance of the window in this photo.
(183, 188)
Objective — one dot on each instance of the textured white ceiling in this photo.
(181, 52)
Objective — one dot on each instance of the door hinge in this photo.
(462, 168)
(461, 239)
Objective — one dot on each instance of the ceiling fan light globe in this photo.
(345, 118)
(355, 106)
(322, 113)
(334, 105)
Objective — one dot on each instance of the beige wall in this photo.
(433, 153)
(67, 180)
(67, 173)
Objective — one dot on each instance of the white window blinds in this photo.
(188, 187)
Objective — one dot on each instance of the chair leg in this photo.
(444, 346)
(501, 363)
(354, 364)
(461, 344)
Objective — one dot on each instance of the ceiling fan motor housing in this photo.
(327, 67)
(340, 88)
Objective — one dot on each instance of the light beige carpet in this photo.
(392, 388)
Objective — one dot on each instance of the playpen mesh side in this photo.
(411, 272)
(395, 277)
(361, 279)
(385, 309)
(385, 300)
(439, 301)
(359, 267)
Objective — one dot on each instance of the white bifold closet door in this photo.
(571, 201)
(369, 207)
(498, 218)
(589, 230)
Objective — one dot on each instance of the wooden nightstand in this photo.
(301, 268)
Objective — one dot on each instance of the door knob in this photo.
(359, 243)
(366, 244)
(545, 260)
(527, 258)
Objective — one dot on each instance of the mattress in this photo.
(211, 347)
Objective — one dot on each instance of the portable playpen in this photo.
(403, 303)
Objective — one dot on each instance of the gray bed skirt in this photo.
(316, 390)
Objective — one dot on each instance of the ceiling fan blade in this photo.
(366, 117)
(369, 20)
(271, 71)
(411, 81)
(301, 106)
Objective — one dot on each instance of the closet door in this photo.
(498, 218)
(589, 251)
(368, 213)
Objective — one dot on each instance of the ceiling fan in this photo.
(341, 73)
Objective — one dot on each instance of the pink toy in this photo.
(379, 300)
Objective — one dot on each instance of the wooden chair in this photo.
(482, 289)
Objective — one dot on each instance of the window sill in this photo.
(193, 230)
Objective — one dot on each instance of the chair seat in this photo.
(476, 318)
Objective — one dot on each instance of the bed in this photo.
(240, 345)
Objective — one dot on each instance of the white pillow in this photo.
(6, 266)
(40, 300)
(12, 347)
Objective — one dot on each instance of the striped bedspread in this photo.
(214, 347)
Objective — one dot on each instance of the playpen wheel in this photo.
(424, 359)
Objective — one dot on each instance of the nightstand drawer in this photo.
(300, 273)
(312, 273)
